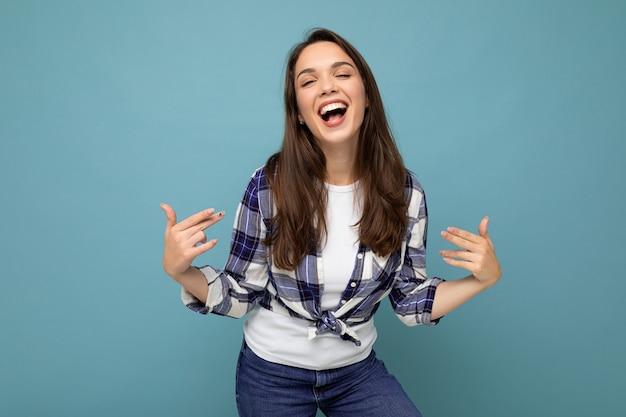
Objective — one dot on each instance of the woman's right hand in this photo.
(186, 240)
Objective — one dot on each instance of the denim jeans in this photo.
(362, 389)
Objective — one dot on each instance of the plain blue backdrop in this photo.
(515, 109)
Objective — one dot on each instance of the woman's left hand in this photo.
(477, 253)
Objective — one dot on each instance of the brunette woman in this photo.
(331, 225)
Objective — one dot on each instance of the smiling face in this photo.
(330, 95)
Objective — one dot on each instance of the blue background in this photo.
(511, 109)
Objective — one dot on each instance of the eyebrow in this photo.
(335, 65)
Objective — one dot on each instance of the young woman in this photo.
(331, 225)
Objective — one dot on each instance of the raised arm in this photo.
(183, 242)
(476, 255)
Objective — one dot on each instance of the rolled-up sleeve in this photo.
(237, 288)
(413, 292)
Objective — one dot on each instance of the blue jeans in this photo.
(362, 389)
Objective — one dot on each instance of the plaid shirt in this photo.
(250, 278)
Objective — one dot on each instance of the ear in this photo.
(300, 120)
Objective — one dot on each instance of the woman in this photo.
(331, 225)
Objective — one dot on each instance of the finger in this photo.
(170, 215)
(462, 242)
(484, 232)
(198, 238)
(205, 247)
(482, 227)
(463, 234)
(466, 261)
(216, 217)
(460, 255)
(460, 264)
(195, 219)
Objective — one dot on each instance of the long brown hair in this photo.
(297, 173)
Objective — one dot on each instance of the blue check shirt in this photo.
(251, 280)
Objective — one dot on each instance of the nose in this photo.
(327, 85)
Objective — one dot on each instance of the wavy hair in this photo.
(296, 173)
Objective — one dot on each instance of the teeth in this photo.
(331, 107)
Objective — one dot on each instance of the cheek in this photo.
(358, 95)
(361, 102)
(363, 96)
(304, 104)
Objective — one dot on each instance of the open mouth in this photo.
(333, 112)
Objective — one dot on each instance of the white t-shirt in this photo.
(285, 340)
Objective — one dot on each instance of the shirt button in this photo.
(343, 302)
(360, 256)
(353, 284)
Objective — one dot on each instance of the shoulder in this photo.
(258, 180)
(264, 176)
(258, 195)
(415, 196)
(412, 184)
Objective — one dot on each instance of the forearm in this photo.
(194, 281)
(452, 294)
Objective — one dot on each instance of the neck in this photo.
(340, 167)
(339, 177)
